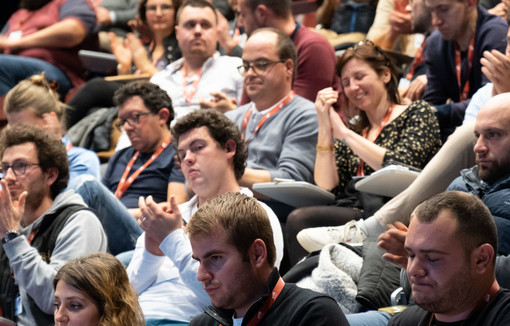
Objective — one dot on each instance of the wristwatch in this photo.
(10, 235)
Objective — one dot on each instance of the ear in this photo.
(164, 115)
(482, 258)
(289, 64)
(52, 175)
(258, 253)
(386, 75)
(262, 15)
(230, 147)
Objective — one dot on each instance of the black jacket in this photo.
(294, 306)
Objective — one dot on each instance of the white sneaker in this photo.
(313, 239)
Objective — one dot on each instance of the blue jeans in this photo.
(369, 318)
(14, 69)
(120, 226)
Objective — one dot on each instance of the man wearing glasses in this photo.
(147, 167)
(278, 127)
(41, 226)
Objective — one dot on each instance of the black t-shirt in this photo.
(495, 313)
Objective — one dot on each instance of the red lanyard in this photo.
(69, 146)
(471, 50)
(418, 60)
(277, 108)
(123, 183)
(193, 87)
(255, 320)
(360, 172)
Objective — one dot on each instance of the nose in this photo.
(436, 21)
(9, 174)
(414, 268)
(60, 315)
(203, 274)
(480, 146)
(198, 28)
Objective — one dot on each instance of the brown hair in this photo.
(103, 279)
(371, 54)
(281, 8)
(51, 152)
(242, 219)
(195, 4)
(37, 95)
(475, 224)
(220, 128)
(142, 13)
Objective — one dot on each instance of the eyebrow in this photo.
(428, 251)
(209, 254)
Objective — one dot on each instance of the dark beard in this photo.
(32, 5)
(498, 171)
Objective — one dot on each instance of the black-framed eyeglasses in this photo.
(132, 120)
(18, 167)
(258, 66)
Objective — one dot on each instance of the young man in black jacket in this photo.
(231, 237)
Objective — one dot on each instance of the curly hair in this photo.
(372, 55)
(37, 95)
(221, 130)
(154, 98)
(103, 279)
(51, 152)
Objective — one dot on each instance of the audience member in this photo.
(464, 32)
(496, 67)
(45, 35)
(392, 30)
(450, 252)
(41, 226)
(201, 74)
(146, 168)
(212, 157)
(386, 131)
(95, 290)
(312, 74)
(412, 85)
(491, 151)
(32, 101)
(133, 57)
(231, 235)
(278, 126)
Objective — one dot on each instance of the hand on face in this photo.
(400, 22)
(393, 242)
(496, 66)
(11, 209)
(159, 220)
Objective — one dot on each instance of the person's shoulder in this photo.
(412, 316)
(238, 113)
(301, 106)
(305, 35)
(228, 61)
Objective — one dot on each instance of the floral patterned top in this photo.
(412, 138)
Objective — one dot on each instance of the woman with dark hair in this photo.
(384, 131)
(157, 19)
(95, 290)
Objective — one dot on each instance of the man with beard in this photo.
(41, 226)
(464, 32)
(45, 35)
(147, 167)
(232, 240)
(451, 247)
